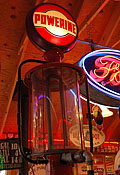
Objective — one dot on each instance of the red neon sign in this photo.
(107, 70)
(102, 68)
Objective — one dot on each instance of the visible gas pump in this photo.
(54, 91)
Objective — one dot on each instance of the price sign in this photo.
(38, 169)
(10, 157)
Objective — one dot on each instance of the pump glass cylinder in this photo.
(56, 121)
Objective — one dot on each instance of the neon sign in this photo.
(107, 70)
(103, 71)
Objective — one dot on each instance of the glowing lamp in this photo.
(105, 111)
(100, 112)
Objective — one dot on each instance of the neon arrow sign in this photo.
(103, 70)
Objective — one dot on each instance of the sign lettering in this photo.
(45, 20)
(107, 70)
(10, 157)
(98, 136)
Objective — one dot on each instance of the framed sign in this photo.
(109, 163)
(10, 157)
(98, 136)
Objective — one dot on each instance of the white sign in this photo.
(37, 169)
(98, 136)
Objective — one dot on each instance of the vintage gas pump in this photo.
(55, 124)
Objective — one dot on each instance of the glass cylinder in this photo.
(56, 121)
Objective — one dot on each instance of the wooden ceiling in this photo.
(98, 20)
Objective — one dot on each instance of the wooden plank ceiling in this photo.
(98, 20)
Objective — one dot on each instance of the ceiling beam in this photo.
(111, 25)
(20, 52)
(21, 55)
(76, 8)
(115, 44)
(40, 1)
(92, 15)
